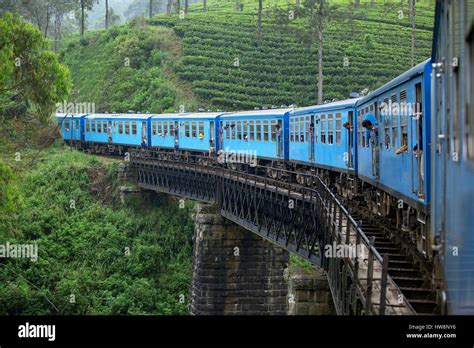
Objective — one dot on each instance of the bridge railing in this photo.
(358, 278)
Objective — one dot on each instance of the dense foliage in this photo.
(126, 68)
(95, 255)
(30, 75)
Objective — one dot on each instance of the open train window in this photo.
(66, 125)
(165, 128)
(315, 131)
(153, 127)
(252, 130)
(395, 115)
(160, 128)
(265, 130)
(338, 127)
(323, 129)
(239, 130)
(92, 126)
(404, 111)
(308, 128)
(104, 127)
(120, 128)
(127, 128)
(194, 130)
(259, 130)
(359, 128)
(99, 126)
(134, 128)
(187, 133)
(387, 124)
(297, 130)
(88, 126)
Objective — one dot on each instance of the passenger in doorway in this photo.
(373, 130)
(143, 141)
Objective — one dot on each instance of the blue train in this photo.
(393, 150)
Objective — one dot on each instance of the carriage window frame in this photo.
(266, 130)
(395, 111)
(258, 130)
(252, 130)
(134, 128)
(239, 130)
(88, 126)
(120, 127)
(330, 138)
(403, 111)
(273, 131)
(187, 131)
(292, 130)
(67, 125)
(323, 128)
(307, 126)
(201, 129)
(387, 125)
(99, 126)
(302, 133)
(127, 128)
(338, 121)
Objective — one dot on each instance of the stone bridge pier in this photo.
(234, 270)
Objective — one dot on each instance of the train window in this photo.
(323, 129)
(104, 127)
(194, 130)
(395, 112)
(359, 127)
(372, 108)
(201, 129)
(330, 129)
(66, 125)
(172, 130)
(88, 126)
(165, 128)
(92, 126)
(227, 130)
(252, 130)
(99, 127)
(403, 111)
(134, 128)
(274, 130)
(232, 130)
(239, 130)
(366, 110)
(77, 125)
(153, 128)
(302, 130)
(186, 129)
(297, 130)
(120, 127)
(127, 128)
(259, 130)
(265, 130)
(292, 129)
(338, 127)
(316, 135)
(387, 122)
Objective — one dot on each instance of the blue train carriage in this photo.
(452, 209)
(257, 137)
(116, 133)
(322, 140)
(165, 131)
(72, 127)
(393, 152)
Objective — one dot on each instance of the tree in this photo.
(259, 27)
(204, 5)
(86, 5)
(30, 75)
(106, 14)
(318, 23)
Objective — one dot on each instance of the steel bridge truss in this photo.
(308, 221)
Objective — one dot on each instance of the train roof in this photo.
(120, 116)
(406, 76)
(190, 115)
(257, 113)
(341, 104)
(63, 115)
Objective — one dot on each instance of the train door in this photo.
(176, 135)
(109, 131)
(221, 135)
(374, 139)
(311, 131)
(350, 140)
(144, 135)
(211, 137)
(279, 131)
(416, 151)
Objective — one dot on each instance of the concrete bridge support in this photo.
(234, 270)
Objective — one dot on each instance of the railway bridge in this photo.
(308, 221)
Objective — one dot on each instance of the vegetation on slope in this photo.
(95, 255)
(127, 68)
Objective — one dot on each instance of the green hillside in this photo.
(212, 60)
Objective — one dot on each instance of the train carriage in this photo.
(164, 130)
(126, 129)
(264, 132)
(72, 127)
(199, 131)
(323, 136)
(453, 151)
